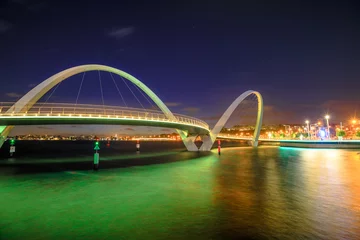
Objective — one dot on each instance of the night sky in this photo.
(303, 57)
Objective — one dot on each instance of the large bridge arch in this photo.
(209, 141)
(29, 99)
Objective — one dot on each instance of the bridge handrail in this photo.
(88, 109)
(73, 105)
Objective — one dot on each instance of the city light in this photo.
(328, 128)
(322, 134)
(308, 128)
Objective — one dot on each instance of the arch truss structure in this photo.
(31, 98)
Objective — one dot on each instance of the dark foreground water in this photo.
(166, 193)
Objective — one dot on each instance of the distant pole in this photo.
(12, 147)
(219, 147)
(327, 122)
(308, 128)
(96, 156)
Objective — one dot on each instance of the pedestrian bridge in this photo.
(28, 111)
(54, 113)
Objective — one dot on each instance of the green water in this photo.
(264, 193)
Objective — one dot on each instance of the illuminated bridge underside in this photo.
(48, 120)
(64, 113)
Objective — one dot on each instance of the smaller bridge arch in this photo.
(209, 140)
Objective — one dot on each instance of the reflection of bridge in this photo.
(27, 111)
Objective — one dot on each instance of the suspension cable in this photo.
(101, 90)
(50, 95)
(152, 105)
(118, 89)
(82, 80)
(246, 108)
(77, 98)
(132, 92)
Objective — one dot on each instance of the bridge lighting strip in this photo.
(202, 123)
(101, 117)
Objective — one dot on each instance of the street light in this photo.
(327, 122)
(308, 128)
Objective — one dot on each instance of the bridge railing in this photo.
(88, 110)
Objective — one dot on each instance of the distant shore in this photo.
(350, 144)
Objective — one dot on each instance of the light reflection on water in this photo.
(262, 193)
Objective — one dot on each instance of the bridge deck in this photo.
(49, 113)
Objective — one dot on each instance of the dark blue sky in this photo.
(303, 57)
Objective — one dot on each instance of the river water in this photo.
(164, 192)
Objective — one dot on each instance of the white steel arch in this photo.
(29, 99)
(209, 140)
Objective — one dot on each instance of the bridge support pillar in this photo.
(4, 132)
(208, 142)
(254, 143)
(189, 143)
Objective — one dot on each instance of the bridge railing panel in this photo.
(87, 110)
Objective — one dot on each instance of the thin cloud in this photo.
(273, 114)
(13, 95)
(268, 108)
(5, 26)
(129, 129)
(120, 33)
(172, 104)
(120, 50)
(18, 1)
(340, 103)
(36, 7)
(30, 5)
(165, 130)
(340, 108)
(191, 110)
(211, 118)
(31, 85)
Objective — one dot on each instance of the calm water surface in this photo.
(246, 193)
